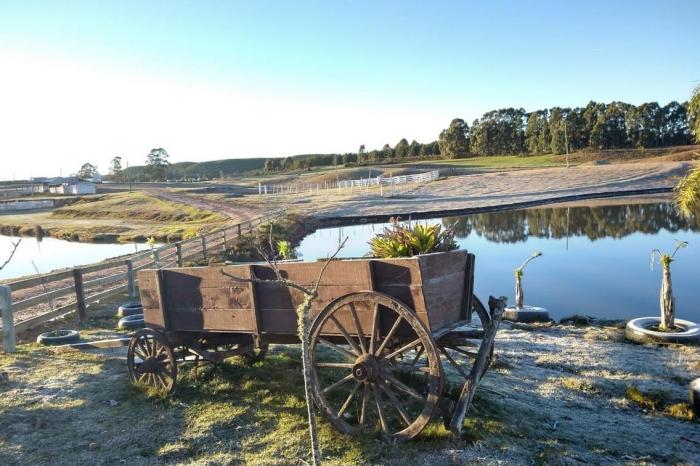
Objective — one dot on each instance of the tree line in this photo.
(597, 126)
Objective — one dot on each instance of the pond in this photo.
(49, 254)
(595, 258)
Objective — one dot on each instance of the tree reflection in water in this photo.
(614, 221)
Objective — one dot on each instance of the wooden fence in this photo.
(378, 181)
(50, 295)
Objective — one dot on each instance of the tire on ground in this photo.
(637, 330)
(58, 337)
(526, 314)
(130, 309)
(132, 321)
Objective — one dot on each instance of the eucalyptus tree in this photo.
(156, 163)
(453, 141)
(401, 149)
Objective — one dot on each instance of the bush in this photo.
(406, 241)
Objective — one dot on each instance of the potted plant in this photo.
(520, 312)
(665, 328)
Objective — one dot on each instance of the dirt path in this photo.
(236, 212)
(498, 189)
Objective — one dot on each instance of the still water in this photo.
(595, 259)
(49, 254)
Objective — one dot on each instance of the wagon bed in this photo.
(378, 325)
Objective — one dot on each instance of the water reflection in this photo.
(596, 259)
(561, 222)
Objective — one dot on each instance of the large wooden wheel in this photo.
(375, 366)
(150, 361)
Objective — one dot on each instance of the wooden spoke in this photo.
(138, 352)
(338, 365)
(453, 362)
(358, 327)
(339, 383)
(471, 354)
(403, 349)
(365, 400)
(375, 322)
(404, 388)
(395, 402)
(380, 410)
(409, 368)
(149, 348)
(389, 335)
(142, 347)
(418, 355)
(348, 400)
(348, 354)
(346, 336)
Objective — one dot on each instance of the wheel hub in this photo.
(365, 368)
(150, 365)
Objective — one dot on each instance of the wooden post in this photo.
(239, 229)
(204, 246)
(79, 294)
(178, 254)
(8, 324)
(223, 234)
(156, 258)
(130, 282)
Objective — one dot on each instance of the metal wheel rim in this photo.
(383, 387)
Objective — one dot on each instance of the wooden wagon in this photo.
(380, 328)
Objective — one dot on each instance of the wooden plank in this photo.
(39, 279)
(105, 280)
(101, 266)
(42, 298)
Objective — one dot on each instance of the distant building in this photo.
(72, 186)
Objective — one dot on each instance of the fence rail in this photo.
(66, 291)
(378, 181)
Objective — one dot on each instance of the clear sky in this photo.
(85, 81)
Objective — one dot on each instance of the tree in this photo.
(401, 149)
(414, 149)
(156, 163)
(688, 189)
(666, 300)
(387, 152)
(87, 171)
(453, 141)
(537, 138)
(115, 167)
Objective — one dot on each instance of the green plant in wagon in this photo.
(666, 300)
(407, 241)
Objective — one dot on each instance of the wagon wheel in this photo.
(390, 379)
(150, 360)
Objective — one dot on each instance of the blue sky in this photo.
(140, 74)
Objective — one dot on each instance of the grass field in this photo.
(123, 217)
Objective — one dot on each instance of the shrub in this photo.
(406, 240)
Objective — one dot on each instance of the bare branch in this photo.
(15, 245)
(328, 261)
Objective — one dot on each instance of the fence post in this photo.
(156, 258)
(79, 294)
(130, 283)
(204, 246)
(223, 233)
(178, 254)
(8, 324)
(239, 229)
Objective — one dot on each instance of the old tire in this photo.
(58, 337)
(526, 314)
(389, 379)
(694, 396)
(129, 309)
(130, 322)
(637, 330)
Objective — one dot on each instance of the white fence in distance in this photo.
(378, 181)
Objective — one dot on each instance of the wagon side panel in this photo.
(277, 305)
(446, 279)
(150, 299)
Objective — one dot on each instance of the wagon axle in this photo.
(366, 368)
